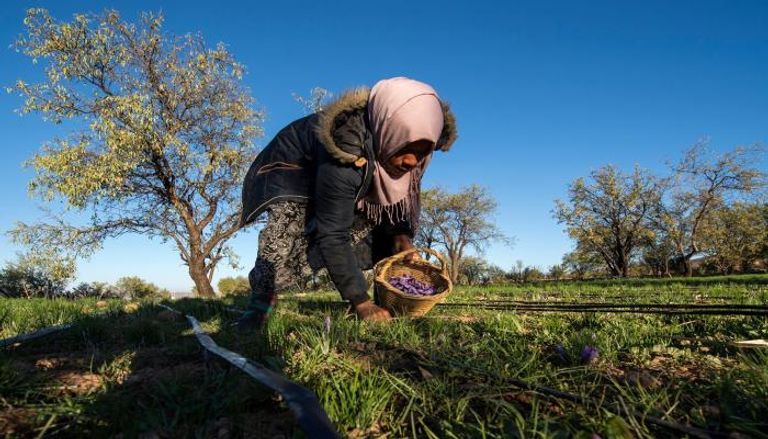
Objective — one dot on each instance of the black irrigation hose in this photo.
(753, 311)
(304, 404)
(676, 309)
(626, 297)
(620, 305)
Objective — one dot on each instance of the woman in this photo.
(341, 191)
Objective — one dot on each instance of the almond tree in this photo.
(456, 221)
(734, 236)
(701, 183)
(161, 133)
(607, 215)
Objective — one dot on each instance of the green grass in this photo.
(453, 373)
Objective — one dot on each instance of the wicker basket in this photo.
(399, 303)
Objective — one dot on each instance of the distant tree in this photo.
(532, 274)
(516, 272)
(137, 288)
(763, 253)
(473, 270)
(580, 263)
(48, 262)
(735, 236)
(433, 212)
(700, 184)
(607, 215)
(234, 286)
(27, 278)
(161, 136)
(556, 272)
(458, 220)
(101, 290)
(494, 274)
(657, 253)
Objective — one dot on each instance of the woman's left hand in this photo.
(403, 243)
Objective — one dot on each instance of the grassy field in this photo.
(136, 370)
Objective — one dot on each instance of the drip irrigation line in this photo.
(617, 309)
(304, 404)
(10, 341)
(615, 295)
(619, 305)
(556, 308)
(572, 296)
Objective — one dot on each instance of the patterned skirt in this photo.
(287, 259)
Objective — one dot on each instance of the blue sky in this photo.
(544, 92)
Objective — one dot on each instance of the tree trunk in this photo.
(202, 283)
(623, 263)
(454, 268)
(688, 267)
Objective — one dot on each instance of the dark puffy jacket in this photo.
(312, 160)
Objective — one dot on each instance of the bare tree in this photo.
(456, 221)
(433, 213)
(472, 269)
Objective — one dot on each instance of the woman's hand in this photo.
(369, 311)
(403, 243)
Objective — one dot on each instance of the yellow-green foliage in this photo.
(149, 100)
(137, 288)
(162, 134)
(229, 286)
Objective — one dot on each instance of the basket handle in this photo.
(399, 256)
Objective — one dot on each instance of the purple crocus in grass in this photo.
(327, 325)
(589, 354)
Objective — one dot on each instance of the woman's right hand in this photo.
(370, 311)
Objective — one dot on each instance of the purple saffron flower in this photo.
(589, 354)
(327, 325)
(410, 285)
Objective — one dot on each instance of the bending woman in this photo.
(341, 190)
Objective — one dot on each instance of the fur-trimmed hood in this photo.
(340, 124)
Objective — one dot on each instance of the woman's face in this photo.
(408, 158)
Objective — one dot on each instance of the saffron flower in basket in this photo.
(410, 285)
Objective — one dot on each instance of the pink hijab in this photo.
(400, 111)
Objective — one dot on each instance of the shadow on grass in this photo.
(136, 372)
